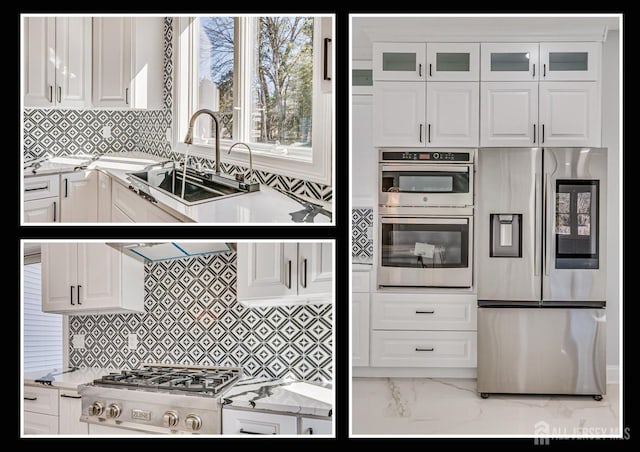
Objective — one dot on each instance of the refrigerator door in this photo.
(541, 351)
(509, 224)
(575, 193)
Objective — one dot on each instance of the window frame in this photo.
(314, 166)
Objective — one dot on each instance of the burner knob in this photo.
(193, 422)
(170, 419)
(113, 410)
(96, 409)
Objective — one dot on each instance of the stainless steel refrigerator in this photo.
(541, 273)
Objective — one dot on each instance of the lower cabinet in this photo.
(250, 422)
(41, 199)
(360, 319)
(42, 210)
(78, 193)
(312, 426)
(70, 410)
(128, 207)
(40, 424)
(104, 198)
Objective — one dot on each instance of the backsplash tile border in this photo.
(361, 244)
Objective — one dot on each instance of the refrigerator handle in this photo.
(536, 226)
(550, 222)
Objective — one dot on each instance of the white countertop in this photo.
(289, 396)
(69, 380)
(266, 206)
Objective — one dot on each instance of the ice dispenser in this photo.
(506, 235)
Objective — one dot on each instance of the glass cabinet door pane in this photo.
(362, 77)
(393, 61)
(452, 62)
(568, 61)
(510, 61)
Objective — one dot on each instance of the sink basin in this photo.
(197, 188)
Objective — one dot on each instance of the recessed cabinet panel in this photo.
(111, 61)
(399, 114)
(508, 114)
(452, 114)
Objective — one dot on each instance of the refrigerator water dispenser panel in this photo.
(506, 235)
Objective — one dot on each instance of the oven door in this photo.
(425, 251)
(426, 185)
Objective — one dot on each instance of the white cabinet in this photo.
(452, 114)
(399, 114)
(399, 61)
(509, 61)
(360, 329)
(284, 273)
(453, 62)
(508, 114)
(127, 62)
(118, 216)
(79, 197)
(313, 426)
(90, 277)
(40, 424)
(246, 422)
(41, 210)
(104, 198)
(69, 414)
(40, 415)
(128, 207)
(57, 61)
(570, 114)
(41, 199)
(363, 153)
(570, 61)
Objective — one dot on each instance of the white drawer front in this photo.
(423, 348)
(41, 187)
(310, 426)
(239, 422)
(360, 281)
(40, 424)
(424, 312)
(41, 400)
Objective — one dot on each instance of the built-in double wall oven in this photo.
(425, 221)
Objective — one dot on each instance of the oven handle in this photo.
(423, 220)
(420, 167)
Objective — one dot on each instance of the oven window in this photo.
(425, 245)
(425, 182)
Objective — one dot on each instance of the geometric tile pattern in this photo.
(61, 132)
(193, 317)
(362, 246)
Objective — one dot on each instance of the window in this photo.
(42, 333)
(264, 78)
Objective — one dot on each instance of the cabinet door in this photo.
(39, 61)
(98, 276)
(241, 422)
(111, 61)
(452, 114)
(41, 210)
(453, 62)
(360, 329)
(399, 114)
(569, 114)
(129, 203)
(315, 269)
(118, 216)
(79, 197)
(104, 198)
(70, 412)
(73, 61)
(310, 426)
(397, 61)
(267, 270)
(509, 62)
(40, 424)
(570, 61)
(364, 155)
(59, 275)
(508, 114)
(157, 215)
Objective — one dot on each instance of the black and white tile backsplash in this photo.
(361, 244)
(60, 132)
(193, 317)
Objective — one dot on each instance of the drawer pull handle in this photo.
(418, 349)
(31, 398)
(249, 432)
(425, 312)
(70, 396)
(37, 188)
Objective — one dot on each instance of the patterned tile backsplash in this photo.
(362, 245)
(193, 317)
(60, 132)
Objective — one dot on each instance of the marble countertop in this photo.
(281, 395)
(266, 206)
(69, 380)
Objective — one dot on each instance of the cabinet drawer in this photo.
(40, 424)
(311, 426)
(41, 187)
(41, 400)
(423, 348)
(424, 312)
(128, 202)
(239, 422)
(360, 281)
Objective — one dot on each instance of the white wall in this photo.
(611, 140)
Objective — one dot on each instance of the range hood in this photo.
(162, 251)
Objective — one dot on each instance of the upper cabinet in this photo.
(399, 114)
(57, 62)
(453, 62)
(452, 114)
(570, 61)
(512, 62)
(508, 114)
(399, 61)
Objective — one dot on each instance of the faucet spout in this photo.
(250, 157)
(188, 139)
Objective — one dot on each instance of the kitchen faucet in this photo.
(250, 157)
(189, 138)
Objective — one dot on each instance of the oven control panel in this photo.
(426, 156)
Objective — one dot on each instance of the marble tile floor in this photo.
(449, 407)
